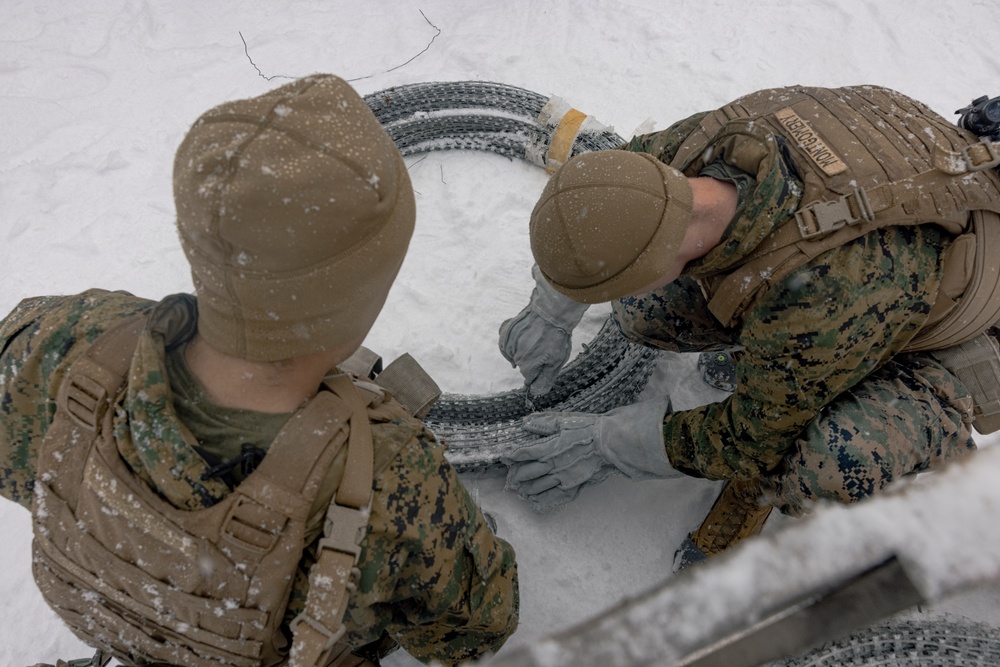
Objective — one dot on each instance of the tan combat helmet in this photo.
(609, 223)
(295, 211)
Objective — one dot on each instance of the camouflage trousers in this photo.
(909, 416)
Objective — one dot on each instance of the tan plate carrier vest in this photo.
(868, 157)
(152, 584)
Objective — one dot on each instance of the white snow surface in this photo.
(914, 523)
(95, 96)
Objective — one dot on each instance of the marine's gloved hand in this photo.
(538, 340)
(580, 449)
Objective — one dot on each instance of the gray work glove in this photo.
(582, 449)
(538, 340)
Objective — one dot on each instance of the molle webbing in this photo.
(404, 379)
(868, 158)
(150, 583)
(954, 322)
(976, 363)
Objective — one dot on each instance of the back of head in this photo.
(295, 212)
(609, 223)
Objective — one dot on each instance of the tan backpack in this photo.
(151, 584)
(868, 157)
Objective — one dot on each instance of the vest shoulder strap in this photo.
(318, 629)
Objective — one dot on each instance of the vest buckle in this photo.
(330, 638)
(344, 528)
(982, 156)
(823, 217)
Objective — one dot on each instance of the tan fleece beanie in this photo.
(609, 223)
(295, 211)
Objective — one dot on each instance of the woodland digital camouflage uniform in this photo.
(434, 578)
(824, 407)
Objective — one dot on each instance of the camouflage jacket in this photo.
(806, 340)
(434, 578)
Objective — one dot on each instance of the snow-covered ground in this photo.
(96, 95)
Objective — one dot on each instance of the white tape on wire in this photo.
(566, 125)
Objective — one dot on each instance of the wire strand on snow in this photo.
(246, 50)
(426, 48)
